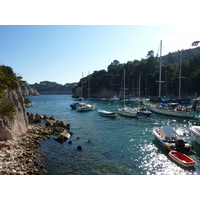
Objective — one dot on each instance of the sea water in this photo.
(119, 146)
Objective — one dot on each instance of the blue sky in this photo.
(57, 41)
(62, 53)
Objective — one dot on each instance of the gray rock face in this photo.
(29, 91)
(16, 122)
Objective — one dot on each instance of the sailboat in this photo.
(171, 109)
(127, 111)
(86, 106)
(142, 111)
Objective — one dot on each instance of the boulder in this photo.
(45, 117)
(61, 123)
(58, 129)
(79, 147)
(31, 118)
(63, 136)
(37, 119)
(49, 122)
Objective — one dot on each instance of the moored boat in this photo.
(106, 113)
(194, 128)
(169, 140)
(144, 112)
(85, 107)
(127, 111)
(181, 159)
(172, 109)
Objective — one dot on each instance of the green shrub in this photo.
(7, 109)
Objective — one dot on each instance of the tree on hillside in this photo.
(115, 62)
(195, 43)
(150, 53)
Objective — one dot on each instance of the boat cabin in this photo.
(167, 133)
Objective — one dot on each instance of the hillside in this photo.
(47, 87)
(174, 57)
(107, 83)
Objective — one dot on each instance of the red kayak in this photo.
(181, 159)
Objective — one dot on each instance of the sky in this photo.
(42, 50)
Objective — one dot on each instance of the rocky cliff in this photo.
(13, 118)
(29, 91)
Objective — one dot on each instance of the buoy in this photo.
(108, 104)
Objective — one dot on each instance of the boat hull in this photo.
(174, 113)
(127, 111)
(181, 159)
(87, 107)
(107, 113)
(195, 130)
(170, 145)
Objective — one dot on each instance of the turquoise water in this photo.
(109, 146)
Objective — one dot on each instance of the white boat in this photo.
(115, 98)
(169, 140)
(30, 104)
(142, 111)
(181, 159)
(106, 113)
(127, 111)
(76, 104)
(194, 128)
(172, 109)
(85, 107)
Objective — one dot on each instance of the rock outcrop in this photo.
(29, 91)
(13, 118)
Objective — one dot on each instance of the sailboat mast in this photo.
(139, 91)
(124, 87)
(180, 76)
(160, 68)
(89, 86)
(82, 86)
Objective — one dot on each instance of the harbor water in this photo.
(120, 146)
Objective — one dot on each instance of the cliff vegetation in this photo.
(13, 119)
(148, 68)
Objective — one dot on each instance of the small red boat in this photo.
(181, 159)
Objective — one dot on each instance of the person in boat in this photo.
(2, 144)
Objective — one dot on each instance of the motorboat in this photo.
(106, 113)
(127, 111)
(85, 107)
(30, 104)
(168, 139)
(144, 112)
(76, 104)
(114, 98)
(194, 128)
(181, 159)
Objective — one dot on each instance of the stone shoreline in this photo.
(25, 158)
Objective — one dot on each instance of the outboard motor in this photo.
(180, 144)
